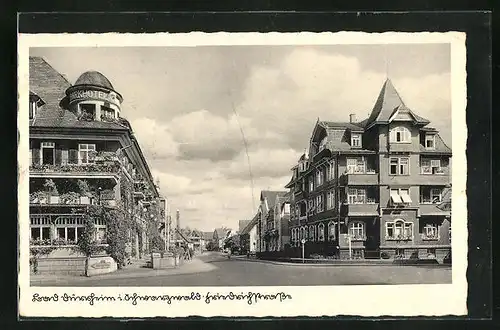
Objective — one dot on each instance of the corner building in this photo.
(83, 152)
(374, 188)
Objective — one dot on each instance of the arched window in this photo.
(303, 233)
(399, 230)
(312, 233)
(321, 232)
(331, 231)
(400, 134)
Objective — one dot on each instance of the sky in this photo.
(191, 106)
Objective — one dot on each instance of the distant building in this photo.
(249, 237)
(266, 231)
(206, 238)
(220, 235)
(373, 188)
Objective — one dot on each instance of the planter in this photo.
(54, 199)
(42, 200)
(84, 200)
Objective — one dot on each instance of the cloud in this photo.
(155, 138)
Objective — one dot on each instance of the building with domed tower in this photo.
(84, 154)
(375, 188)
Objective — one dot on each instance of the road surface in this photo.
(234, 272)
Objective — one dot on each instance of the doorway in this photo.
(372, 244)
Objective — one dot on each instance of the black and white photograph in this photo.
(287, 163)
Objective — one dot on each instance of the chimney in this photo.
(352, 118)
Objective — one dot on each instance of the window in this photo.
(371, 195)
(84, 153)
(399, 166)
(430, 231)
(356, 230)
(356, 196)
(87, 111)
(322, 144)
(319, 203)
(40, 228)
(311, 207)
(425, 166)
(321, 232)
(330, 200)
(436, 166)
(69, 228)
(356, 140)
(400, 196)
(331, 231)
(399, 230)
(356, 165)
(330, 171)
(33, 109)
(430, 195)
(312, 233)
(430, 141)
(107, 113)
(47, 154)
(311, 184)
(100, 230)
(400, 135)
(319, 177)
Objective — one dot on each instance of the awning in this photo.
(395, 198)
(405, 197)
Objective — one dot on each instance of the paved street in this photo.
(213, 269)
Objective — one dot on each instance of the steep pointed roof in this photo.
(388, 104)
(271, 196)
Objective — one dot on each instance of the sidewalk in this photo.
(333, 263)
(193, 266)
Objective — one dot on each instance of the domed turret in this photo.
(93, 78)
(93, 97)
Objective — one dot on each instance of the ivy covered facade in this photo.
(86, 165)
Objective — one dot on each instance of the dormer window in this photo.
(356, 140)
(33, 109)
(107, 113)
(400, 134)
(87, 111)
(430, 141)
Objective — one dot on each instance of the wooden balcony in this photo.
(361, 179)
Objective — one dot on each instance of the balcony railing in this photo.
(102, 162)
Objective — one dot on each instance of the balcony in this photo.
(434, 179)
(105, 169)
(360, 210)
(361, 179)
(432, 210)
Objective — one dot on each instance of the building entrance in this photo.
(372, 244)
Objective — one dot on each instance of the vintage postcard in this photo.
(242, 174)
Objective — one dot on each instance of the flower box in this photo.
(84, 200)
(42, 200)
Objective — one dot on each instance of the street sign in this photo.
(303, 241)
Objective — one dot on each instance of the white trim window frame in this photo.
(319, 177)
(399, 166)
(356, 140)
(48, 145)
(330, 170)
(330, 200)
(398, 229)
(319, 203)
(331, 231)
(436, 195)
(432, 139)
(356, 196)
(425, 166)
(400, 134)
(357, 230)
(42, 225)
(68, 224)
(321, 232)
(311, 184)
(431, 232)
(435, 165)
(312, 233)
(84, 149)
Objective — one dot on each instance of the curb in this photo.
(298, 264)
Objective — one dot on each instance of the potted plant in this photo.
(84, 191)
(70, 198)
(51, 189)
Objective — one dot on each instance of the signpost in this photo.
(303, 241)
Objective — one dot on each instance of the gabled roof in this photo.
(207, 235)
(222, 232)
(242, 224)
(250, 225)
(51, 87)
(388, 104)
(271, 196)
(440, 147)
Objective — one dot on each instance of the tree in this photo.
(87, 242)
